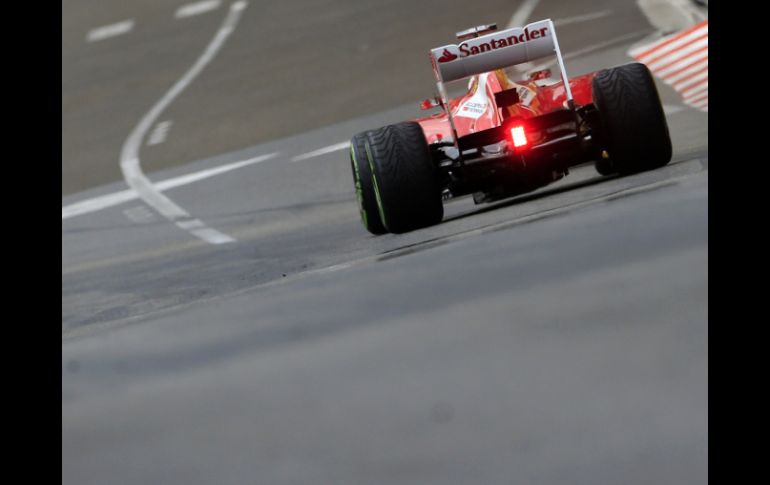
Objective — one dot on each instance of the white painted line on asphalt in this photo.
(116, 198)
(322, 151)
(519, 19)
(97, 203)
(129, 156)
(112, 30)
(603, 45)
(196, 8)
(581, 18)
(208, 234)
(139, 214)
(204, 174)
(158, 135)
(589, 49)
(670, 109)
(521, 15)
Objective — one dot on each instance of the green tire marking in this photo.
(359, 188)
(376, 186)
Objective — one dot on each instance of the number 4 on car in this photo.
(503, 137)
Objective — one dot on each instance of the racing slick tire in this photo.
(634, 126)
(404, 176)
(362, 178)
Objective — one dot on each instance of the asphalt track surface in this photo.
(559, 337)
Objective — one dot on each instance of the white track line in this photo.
(519, 19)
(129, 156)
(159, 134)
(521, 15)
(582, 18)
(670, 109)
(196, 8)
(139, 214)
(116, 198)
(322, 151)
(604, 45)
(588, 50)
(204, 174)
(97, 203)
(112, 30)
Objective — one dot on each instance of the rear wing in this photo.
(496, 50)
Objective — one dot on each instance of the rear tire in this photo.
(634, 127)
(362, 178)
(604, 166)
(404, 175)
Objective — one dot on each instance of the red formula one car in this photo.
(503, 138)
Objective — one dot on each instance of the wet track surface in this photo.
(559, 337)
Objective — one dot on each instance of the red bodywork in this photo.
(477, 110)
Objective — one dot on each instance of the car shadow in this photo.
(520, 199)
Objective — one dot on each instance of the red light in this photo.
(518, 136)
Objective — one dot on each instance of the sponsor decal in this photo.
(487, 52)
(475, 106)
(447, 56)
(472, 48)
(526, 94)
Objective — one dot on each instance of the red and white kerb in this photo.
(681, 60)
